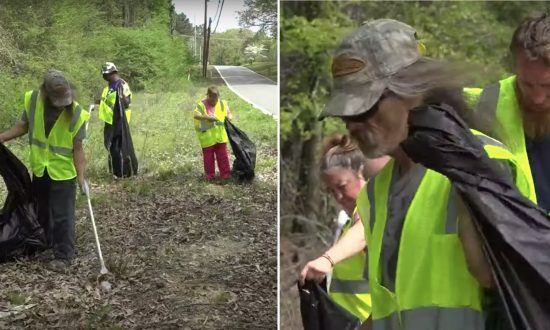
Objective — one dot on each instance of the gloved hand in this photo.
(84, 187)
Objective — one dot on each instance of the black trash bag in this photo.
(244, 151)
(122, 157)
(20, 232)
(319, 312)
(514, 231)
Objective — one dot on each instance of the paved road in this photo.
(261, 92)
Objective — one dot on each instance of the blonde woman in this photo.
(344, 171)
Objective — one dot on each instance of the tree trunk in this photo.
(291, 151)
(126, 13)
(309, 178)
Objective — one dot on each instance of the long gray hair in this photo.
(428, 74)
(439, 81)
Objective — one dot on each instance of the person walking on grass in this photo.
(56, 126)
(209, 117)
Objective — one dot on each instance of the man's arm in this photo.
(471, 244)
(79, 158)
(125, 95)
(229, 113)
(17, 130)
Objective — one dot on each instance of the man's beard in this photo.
(536, 124)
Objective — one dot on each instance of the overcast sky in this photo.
(194, 10)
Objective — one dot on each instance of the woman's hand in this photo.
(315, 270)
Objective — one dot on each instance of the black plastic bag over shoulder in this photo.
(515, 232)
(122, 157)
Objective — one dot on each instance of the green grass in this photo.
(16, 297)
(100, 319)
(165, 141)
(267, 69)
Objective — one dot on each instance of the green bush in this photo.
(78, 37)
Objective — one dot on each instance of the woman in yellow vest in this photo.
(425, 262)
(56, 126)
(209, 117)
(343, 171)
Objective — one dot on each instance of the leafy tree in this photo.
(261, 14)
(227, 48)
(254, 51)
(78, 37)
(183, 25)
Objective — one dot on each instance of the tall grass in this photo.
(165, 141)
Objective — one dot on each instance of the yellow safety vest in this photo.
(498, 103)
(433, 287)
(211, 133)
(349, 286)
(54, 152)
(107, 103)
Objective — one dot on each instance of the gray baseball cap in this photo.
(58, 89)
(365, 62)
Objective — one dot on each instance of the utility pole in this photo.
(208, 42)
(204, 42)
(195, 38)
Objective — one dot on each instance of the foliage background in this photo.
(77, 37)
(258, 27)
(476, 32)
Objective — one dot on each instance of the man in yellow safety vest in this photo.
(56, 126)
(115, 102)
(426, 267)
(516, 110)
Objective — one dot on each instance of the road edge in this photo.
(244, 98)
(273, 81)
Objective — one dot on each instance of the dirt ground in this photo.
(187, 256)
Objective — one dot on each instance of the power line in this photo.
(217, 8)
(219, 17)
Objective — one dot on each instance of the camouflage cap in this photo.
(57, 88)
(364, 63)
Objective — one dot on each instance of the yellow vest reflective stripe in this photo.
(54, 152)
(107, 103)
(349, 286)
(498, 103)
(211, 133)
(432, 282)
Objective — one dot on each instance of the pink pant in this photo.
(210, 155)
